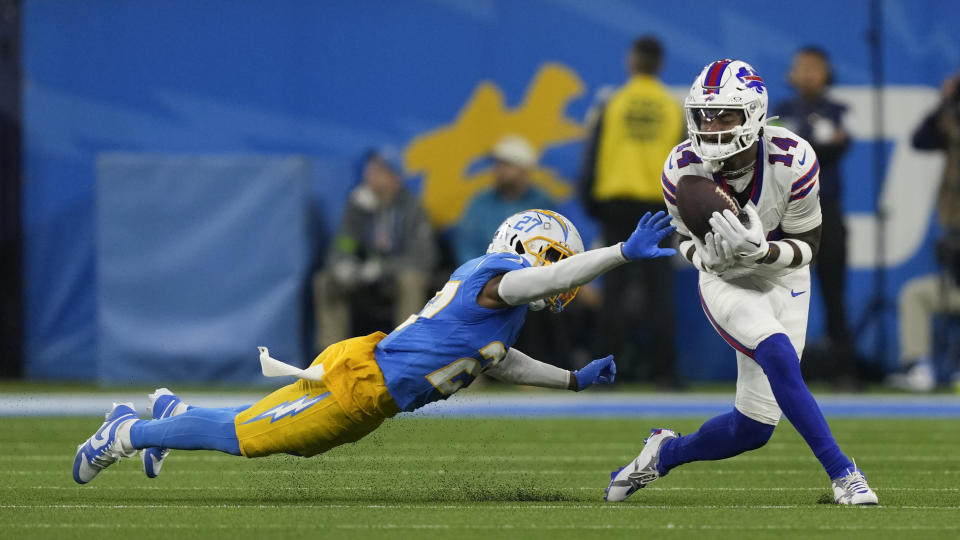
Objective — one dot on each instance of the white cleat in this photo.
(641, 471)
(104, 448)
(852, 488)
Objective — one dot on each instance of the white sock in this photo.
(123, 435)
(180, 409)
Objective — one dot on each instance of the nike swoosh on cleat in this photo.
(796, 294)
(166, 410)
(803, 159)
(97, 441)
(156, 463)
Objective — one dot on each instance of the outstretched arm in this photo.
(519, 287)
(518, 368)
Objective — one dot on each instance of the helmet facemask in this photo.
(715, 147)
(546, 251)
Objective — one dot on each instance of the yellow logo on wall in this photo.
(444, 155)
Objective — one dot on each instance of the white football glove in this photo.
(748, 243)
(715, 253)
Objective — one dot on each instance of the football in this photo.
(698, 198)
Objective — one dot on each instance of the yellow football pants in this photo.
(310, 417)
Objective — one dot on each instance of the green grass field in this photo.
(443, 478)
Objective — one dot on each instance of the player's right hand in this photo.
(600, 371)
(650, 230)
(715, 253)
(748, 243)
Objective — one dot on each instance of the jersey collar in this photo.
(756, 181)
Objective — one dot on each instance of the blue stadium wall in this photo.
(186, 160)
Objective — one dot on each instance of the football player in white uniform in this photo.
(754, 279)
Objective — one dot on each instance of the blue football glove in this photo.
(642, 244)
(600, 371)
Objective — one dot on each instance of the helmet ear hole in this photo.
(520, 249)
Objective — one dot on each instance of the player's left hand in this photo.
(600, 371)
(650, 230)
(715, 253)
(748, 243)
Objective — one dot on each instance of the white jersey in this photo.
(785, 184)
(745, 311)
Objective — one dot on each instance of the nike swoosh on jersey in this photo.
(796, 294)
(518, 260)
(803, 158)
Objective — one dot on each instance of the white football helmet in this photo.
(541, 237)
(725, 85)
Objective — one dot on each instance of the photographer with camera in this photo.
(923, 297)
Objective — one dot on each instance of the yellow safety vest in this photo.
(641, 124)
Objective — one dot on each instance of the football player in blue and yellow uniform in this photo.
(535, 261)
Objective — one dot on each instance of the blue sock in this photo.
(196, 429)
(780, 363)
(720, 437)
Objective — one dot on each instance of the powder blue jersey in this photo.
(445, 346)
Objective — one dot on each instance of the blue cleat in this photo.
(163, 403)
(104, 448)
(639, 472)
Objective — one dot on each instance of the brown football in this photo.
(698, 198)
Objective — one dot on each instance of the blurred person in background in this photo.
(514, 159)
(813, 116)
(619, 180)
(923, 297)
(384, 249)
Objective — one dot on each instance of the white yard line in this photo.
(564, 458)
(341, 471)
(424, 472)
(485, 505)
(446, 526)
(378, 488)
